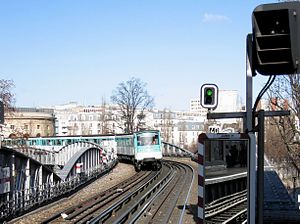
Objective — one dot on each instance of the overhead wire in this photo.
(259, 96)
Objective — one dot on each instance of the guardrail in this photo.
(25, 200)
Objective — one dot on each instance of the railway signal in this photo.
(209, 96)
(276, 36)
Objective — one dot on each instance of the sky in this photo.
(62, 51)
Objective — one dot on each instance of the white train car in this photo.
(141, 148)
(125, 147)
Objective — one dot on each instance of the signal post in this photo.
(273, 48)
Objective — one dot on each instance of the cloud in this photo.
(208, 17)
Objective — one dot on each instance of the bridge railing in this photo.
(170, 149)
(24, 200)
(51, 157)
(41, 155)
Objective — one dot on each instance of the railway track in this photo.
(165, 206)
(155, 203)
(148, 197)
(229, 209)
(83, 211)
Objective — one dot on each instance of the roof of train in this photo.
(85, 136)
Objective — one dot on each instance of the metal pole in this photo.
(260, 168)
(249, 85)
(251, 168)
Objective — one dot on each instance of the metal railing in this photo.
(22, 201)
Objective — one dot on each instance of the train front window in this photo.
(147, 140)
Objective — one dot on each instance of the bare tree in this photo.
(132, 98)
(6, 94)
(285, 95)
(166, 125)
(103, 117)
(106, 118)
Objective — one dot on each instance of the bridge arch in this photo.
(90, 155)
(67, 151)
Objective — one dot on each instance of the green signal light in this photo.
(209, 96)
(209, 92)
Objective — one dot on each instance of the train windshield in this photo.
(147, 139)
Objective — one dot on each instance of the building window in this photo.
(12, 127)
(26, 126)
(38, 126)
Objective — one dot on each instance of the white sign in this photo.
(78, 167)
(214, 129)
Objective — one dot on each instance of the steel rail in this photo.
(142, 210)
(222, 203)
(174, 192)
(223, 209)
(108, 212)
(147, 195)
(96, 202)
(227, 209)
(71, 212)
(235, 218)
(207, 206)
(137, 216)
(226, 213)
(117, 205)
(57, 215)
(188, 196)
(178, 190)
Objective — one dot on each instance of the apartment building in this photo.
(75, 119)
(29, 122)
(178, 127)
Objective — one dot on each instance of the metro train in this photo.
(140, 148)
